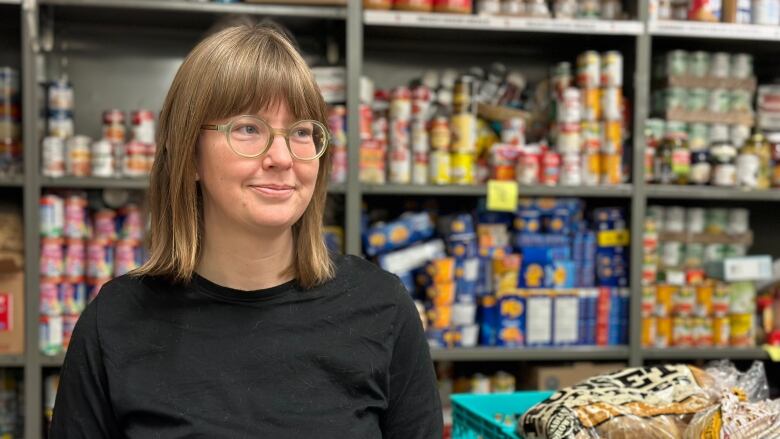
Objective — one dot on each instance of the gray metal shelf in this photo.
(51, 361)
(10, 2)
(622, 191)
(325, 12)
(12, 360)
(710, 193)
(95, 183)
(583, 353)
(705, 354)
(11, 181)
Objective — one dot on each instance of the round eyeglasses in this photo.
(250, 136)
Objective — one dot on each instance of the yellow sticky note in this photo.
(773, 351)
(502, 195)
(614, 238)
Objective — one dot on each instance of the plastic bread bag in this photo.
(654, 402)
(743, 410)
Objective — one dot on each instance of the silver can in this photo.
(720, 101)
(611, 103)
(102, 158)
(695, 220)
(53, 157)
(612, 69)
(676, 63)
(671, 254)
(699, 64)
(739, 222)
(77, 159)
(698, 99)
(766, 12)
(571, 171)
(720, 65)
(739, 134)
(674, 220)
(719, 132)
(741, 101)
(742, 65)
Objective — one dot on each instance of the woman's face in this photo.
(268, 191)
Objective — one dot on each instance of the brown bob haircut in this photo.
(239, 70)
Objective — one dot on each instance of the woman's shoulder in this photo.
(354, 273)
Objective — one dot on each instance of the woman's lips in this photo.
(274, 191)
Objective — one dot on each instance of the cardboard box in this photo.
(12, 312)
(557, 377)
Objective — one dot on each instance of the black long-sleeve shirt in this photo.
(348, 359)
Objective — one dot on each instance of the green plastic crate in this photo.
(473, 415)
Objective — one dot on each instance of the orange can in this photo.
(648, 332)
(663, 332)
(684, 301)
(648, 301)
(720, 300)
(591, 100)
(682, 331)
(613, 137)
(663, 300)
(442, 270)
(704, 300)
(743, 331)
(442, 294)
(440, 317)
(702, 332)
(721, 331)
(611, 169)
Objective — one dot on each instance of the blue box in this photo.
(560, 274)
(406, 230)
(489, 318)
(511, 330)
(539, 319)
(531, 275)
(456, 224)
(463, 245)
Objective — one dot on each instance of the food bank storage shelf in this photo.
(501, 23)
(710, 193)
(326, 12)
(705, 354)
(95, 183)
(622, 191)
(574, 353)
(723, 31)
(10, 2)
(11, 360)
(11, 181)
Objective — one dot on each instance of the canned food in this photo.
(60, 96)
(748, 166)
(102, 159)
(50, 340)
(719, 101)
(52, 257)
(60, 124)
(73, 296)
(127, 257)
(592, 137)
(724, 175)
(464, 131)
(611, 169)
(570, 106)
(744, 13)
(766, 12)
(440, 166)
(462, 168)
(76, 216)
(704, 300)
(664, 300)
(143, 125)
(739, 134)
(648, 332)
(372, 161)
(400, 166)
(721, 300)
(741, 101)
(698, 99)
(569, 142)
(53, 157)
(52, 211)
(738, 222)
(675, 98)
(502, 382)
(75, 258)
(591, 104)
(694, 255)
(463, 91)
(401, 104)
(674, 219)
(419, 137)
(676, 128)
(714, 253)
(571, 171)
(719, 133)
(421, 102)
(721, 331)
(716, 221)
(735, 250)
(671, 254)
(588, 70)
(699, 64)
(663, 330)
(648, 301)
(77, 161)
(702, 332)
(105, 225)
(701, 169)
(684, 301)
(695, 220)
(551, 166)
(114, 126)
(682, 332)
(742, 65)
(698, 136)
(676, 63)
(529, 168)
(742, 330)
(440, 134)
(513, 131)
(612, 69)
(50, 304)
(420, 168)
(480, 384)
(611, 103)
(720, 65)
(100, 259)
(591, 168)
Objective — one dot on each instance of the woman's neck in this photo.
(233, 258)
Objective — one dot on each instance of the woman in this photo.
(241, 325)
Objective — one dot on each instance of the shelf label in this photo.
(773, 351)
(614, 238)
(502, 195)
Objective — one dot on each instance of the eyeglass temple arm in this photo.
(213, 127)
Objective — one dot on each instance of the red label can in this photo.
(551, 168)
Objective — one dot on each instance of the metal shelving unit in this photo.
(584, 353)
(136, 14)
(710, 193)
(690, 354)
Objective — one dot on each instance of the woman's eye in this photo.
(301, 132)
(248, 129)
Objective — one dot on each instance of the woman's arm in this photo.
(83, 408)
(414, 411)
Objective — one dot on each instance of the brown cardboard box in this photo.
(12, 312)
(557, 377)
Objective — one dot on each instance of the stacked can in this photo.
(78, 156)
(399, 151)
(60, 109)
(421, 103)
(463, 124)
(373, 135)
(10, 122)
(439, 163)
(337, 124)
(680, 305)
(79, 253)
